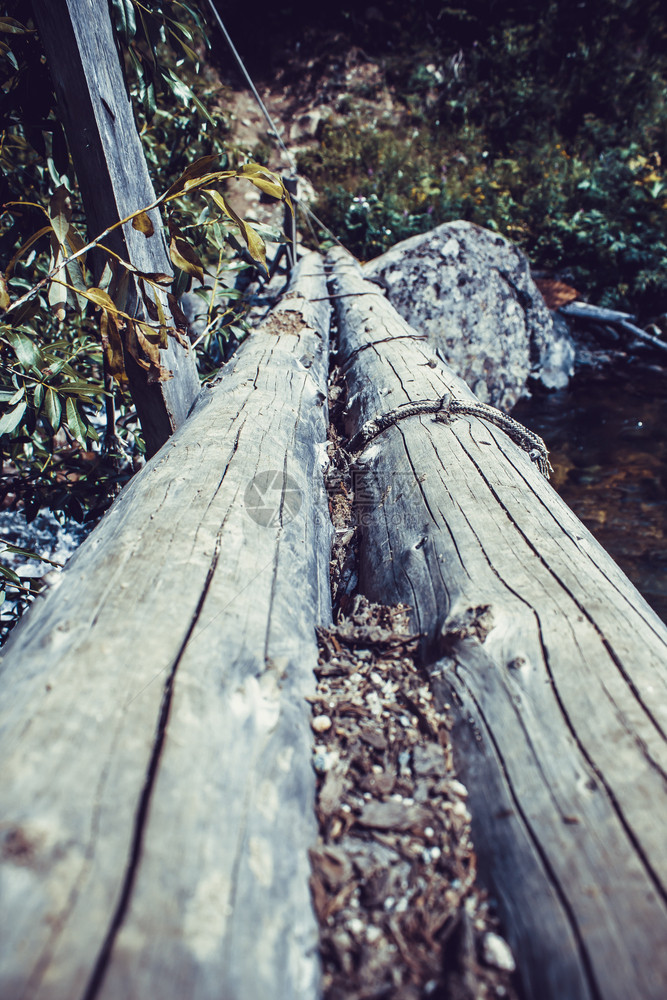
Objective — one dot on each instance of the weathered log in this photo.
(157, 795)
(620, 320)
(553, 664)
(113, 177)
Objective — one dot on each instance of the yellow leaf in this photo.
(75, 243)
(185, 257)
(10, 26)
(253, 240)
(157, 278)
(5, 300)
(144, 348)
(164, 335)
(143, 224)
(265, 180)
(112, 345)
(24, 249)
(194, 171)
(256, 245)
(102, 299)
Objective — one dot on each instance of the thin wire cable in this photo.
(272, 125)
(309, 212)
(241, 65)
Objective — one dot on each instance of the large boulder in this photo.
(470, 291)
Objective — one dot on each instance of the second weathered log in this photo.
(552, 663)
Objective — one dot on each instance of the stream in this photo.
(607, 438)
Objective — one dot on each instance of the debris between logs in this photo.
(551, 661)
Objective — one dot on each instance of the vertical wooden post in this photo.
(290, 223)
(111, 169)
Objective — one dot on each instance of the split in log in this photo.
(158, 793)
(111, 169)
(552, 662)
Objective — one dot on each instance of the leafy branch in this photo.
(143, 336)
(195, 177)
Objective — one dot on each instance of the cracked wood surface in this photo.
(553, 664)
(157, 795)
(113, 177)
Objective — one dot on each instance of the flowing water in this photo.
(607, 438)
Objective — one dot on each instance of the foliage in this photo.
(61, 329)
(546, 123)
(143, 29)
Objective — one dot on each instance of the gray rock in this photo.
(471, 292)
(309, 124)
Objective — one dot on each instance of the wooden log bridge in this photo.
(157, 793)
(553, 665)
(157, 801)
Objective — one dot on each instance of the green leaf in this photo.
(79, 388)
(125, 19)
(9, 421)
(60, 213)
(182, 29)
(57, 293)
(9, 574)
(74, 421)
(147, 91)
(202, 109)
(28, 353)
(15, 396)
(196, 17)
(193, 57)
(52, 408)
(29, 554)
(153, 33)
(179, 89)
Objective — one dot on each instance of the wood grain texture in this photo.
(157, 801)
(552, 662)
(113, 177)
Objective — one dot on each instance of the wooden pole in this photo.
(113, 177)
(552, 663)
(157, 798)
